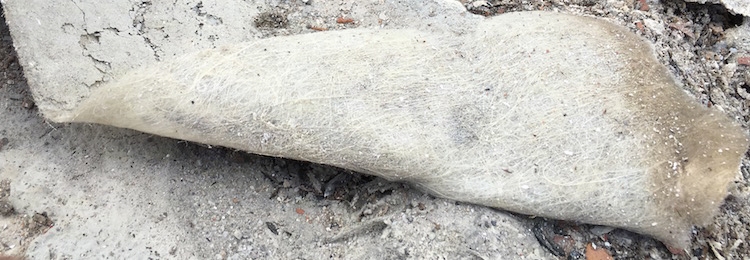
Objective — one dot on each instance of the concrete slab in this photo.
(740, 7)
(122, 194)
(69, 47)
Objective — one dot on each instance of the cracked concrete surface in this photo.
(115, 193)
(100, 42)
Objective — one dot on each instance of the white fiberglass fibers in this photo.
(545, 114)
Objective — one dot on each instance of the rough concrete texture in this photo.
(110, 193)
(103, 41)
(141, 196)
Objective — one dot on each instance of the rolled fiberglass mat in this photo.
(539, 113)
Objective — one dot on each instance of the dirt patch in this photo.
(6, 209)
(17, 231)
(275, 20)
